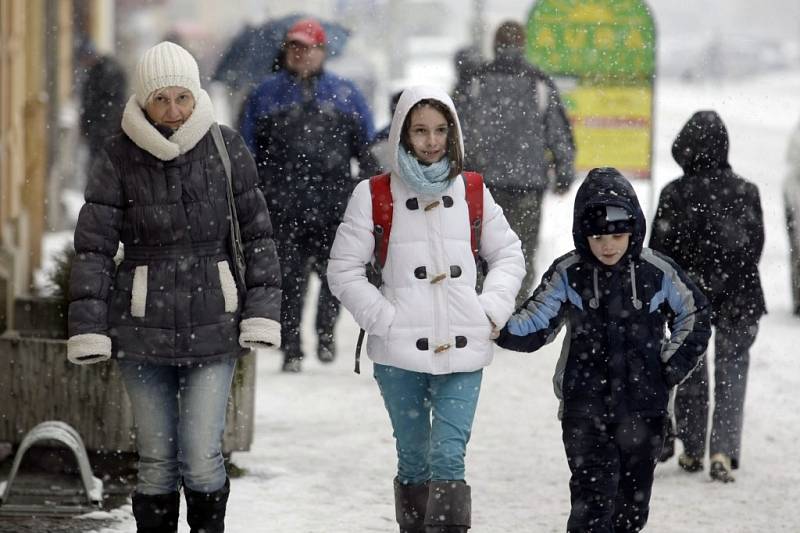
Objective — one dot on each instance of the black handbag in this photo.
(237, 251)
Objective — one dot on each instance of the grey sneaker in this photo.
(721, 468)
(689, 463)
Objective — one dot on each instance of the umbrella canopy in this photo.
(254, 52)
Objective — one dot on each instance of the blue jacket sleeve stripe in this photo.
(680, 299)
(544, 306)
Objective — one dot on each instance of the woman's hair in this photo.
(454, 151)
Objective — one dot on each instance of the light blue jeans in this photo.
(432, 420)
(179, 412)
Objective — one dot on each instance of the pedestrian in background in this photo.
(103, 91)
(380, 150)
(429, 330)
(467, 62)
(616, 300)
(710, 222)
(305, 127)
(791, 201)
(172, 314)
(517, 135)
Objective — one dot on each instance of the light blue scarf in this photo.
(430, 180)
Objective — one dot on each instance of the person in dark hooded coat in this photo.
(102, 97)
(710, 222)
(171, 313)
(617, 367)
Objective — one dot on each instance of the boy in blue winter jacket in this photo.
(617, 366)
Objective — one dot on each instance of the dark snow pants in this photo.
(612, 469)
(732, 344)
(303, 247)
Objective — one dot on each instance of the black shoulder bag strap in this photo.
(237, 251)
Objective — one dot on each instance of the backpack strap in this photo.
(382, 207)
(473, 183)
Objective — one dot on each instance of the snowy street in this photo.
(172, 173)
(323, 455)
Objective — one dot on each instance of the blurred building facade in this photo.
(36, 85)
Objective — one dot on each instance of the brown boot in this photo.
(410, 502)
(449, 507)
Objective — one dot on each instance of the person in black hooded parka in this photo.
(710, 222)
(617, 365)
(171, 313)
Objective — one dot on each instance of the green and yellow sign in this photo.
(605, 51)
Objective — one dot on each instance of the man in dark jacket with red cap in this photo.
(304, 126)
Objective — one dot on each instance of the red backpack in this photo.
(382, 209)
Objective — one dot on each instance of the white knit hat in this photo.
(165, 65)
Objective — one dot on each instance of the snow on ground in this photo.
(323, 455)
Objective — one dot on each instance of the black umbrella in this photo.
(254, 52)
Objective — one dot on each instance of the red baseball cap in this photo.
(307, 31)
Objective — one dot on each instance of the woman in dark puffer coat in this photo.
(171, 313)
(711, 223)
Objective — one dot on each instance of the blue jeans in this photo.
(179, 412)
(432, 420)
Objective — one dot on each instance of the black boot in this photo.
(205, 511)
(157, 513)
(449, 507)
(410, 502)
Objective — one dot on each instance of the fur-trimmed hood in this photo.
(144, 134)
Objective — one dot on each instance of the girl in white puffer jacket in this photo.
(430, 332)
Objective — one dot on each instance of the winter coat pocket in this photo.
(139, 292)
(228, 285)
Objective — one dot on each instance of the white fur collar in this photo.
(147, 137)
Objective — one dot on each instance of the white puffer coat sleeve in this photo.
(502, 250)
(352, 249)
